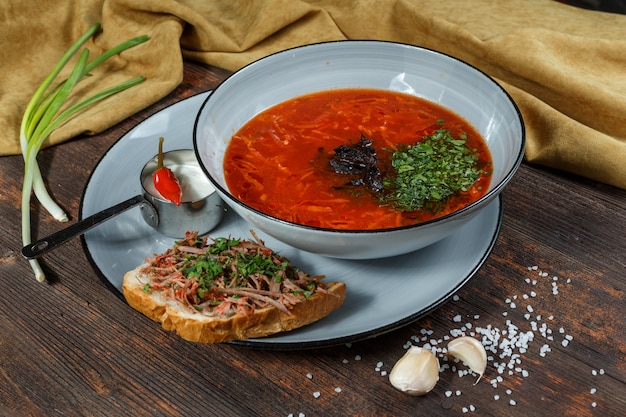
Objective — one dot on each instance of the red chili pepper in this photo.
(165, 181)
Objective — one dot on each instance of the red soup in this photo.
(279, 161)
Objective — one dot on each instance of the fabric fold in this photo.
(565, 67)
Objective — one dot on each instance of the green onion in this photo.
(43, 115)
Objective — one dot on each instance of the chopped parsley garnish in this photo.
(229, 275)
(429, 172)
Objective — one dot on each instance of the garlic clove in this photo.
(471, 352)
(415, 373)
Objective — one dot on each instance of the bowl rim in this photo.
(487, 197)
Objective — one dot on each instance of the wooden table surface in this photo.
(72, 347)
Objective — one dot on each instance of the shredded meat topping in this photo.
(221, 277)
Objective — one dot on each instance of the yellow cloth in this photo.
(564, 66)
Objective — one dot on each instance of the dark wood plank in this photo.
(72, 347)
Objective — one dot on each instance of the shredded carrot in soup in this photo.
(279, 162)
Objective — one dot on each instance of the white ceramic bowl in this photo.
(368, 64)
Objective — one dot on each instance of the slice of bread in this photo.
(197, 327)
(269, 305)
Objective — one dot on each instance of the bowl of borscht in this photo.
(359, 149)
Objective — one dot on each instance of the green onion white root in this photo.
(44, 114)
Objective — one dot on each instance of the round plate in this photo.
(382, 295)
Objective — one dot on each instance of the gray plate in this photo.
(383, 294)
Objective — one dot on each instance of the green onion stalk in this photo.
(43, 115)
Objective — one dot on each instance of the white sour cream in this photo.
(194, 183)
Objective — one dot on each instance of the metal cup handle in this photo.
(42, 246)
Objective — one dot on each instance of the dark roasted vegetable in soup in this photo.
(356, 159)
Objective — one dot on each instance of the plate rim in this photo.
(267, 343)
(379, 331)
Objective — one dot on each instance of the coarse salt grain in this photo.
(310, 376)
(507, 344)
(337, 390)
(317, 394)
(592, 391)
(456, 333)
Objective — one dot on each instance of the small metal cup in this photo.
(201, 208)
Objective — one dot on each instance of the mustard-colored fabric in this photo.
(565, 67)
